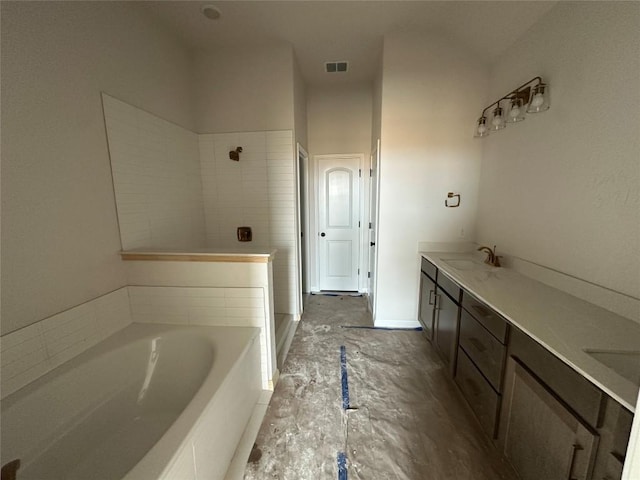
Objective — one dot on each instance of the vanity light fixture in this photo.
(539, 99)
(516, 110)
(482, 129)
(498, 122)
(532, 97)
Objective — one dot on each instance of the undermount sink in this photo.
(625, 363)
(464, 264)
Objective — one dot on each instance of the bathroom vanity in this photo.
(551, 378)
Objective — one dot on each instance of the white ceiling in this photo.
(323, 31)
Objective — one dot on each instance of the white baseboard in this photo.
(274, 380)
(389, 323)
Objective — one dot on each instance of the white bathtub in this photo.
(151, 401)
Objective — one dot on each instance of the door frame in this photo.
(362, 236)
(374, 185)
(302, 222)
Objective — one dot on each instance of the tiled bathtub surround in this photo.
(156, 177)
(32, 351)
(201, 292)
(205, 306)
(236, 307)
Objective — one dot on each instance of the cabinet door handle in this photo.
(574, 453)
(431, 300)
(436, 302)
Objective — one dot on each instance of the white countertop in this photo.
(565, 325)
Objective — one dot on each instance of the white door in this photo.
(373, 224)
(338, 214)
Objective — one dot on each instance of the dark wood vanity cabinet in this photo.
(571, 428)
(548, 420)
(542, 436)
(426, 309)
(447, 313)
(614, 431)
(481, 360)
(438, 311)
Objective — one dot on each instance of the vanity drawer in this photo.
(482, 398)
(449, 286)
(429, 268)
(486, 316)
(483, 349)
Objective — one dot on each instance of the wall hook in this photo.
(235, 154)
(452, 195)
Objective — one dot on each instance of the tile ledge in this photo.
(198, 256)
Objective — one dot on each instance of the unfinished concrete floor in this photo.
(405, 420)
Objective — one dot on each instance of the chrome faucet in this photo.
(492, 259)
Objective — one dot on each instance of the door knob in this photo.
(323, 234)
(373, 244)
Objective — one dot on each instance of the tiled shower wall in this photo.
(178, 189)
(259, 192)
(156, 177)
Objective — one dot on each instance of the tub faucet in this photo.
(492, 259)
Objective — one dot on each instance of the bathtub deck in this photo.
(405, 418)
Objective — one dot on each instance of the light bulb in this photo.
(482, 128)
(496, 121)
(537, 100)
(514, 112)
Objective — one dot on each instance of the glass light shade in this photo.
(482, 129)
(539, 101)
(498, 120)
(516, 110)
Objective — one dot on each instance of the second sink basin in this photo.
(625, 363)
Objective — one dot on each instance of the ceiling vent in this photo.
(336, 67)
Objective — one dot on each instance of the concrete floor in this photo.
(406, 419)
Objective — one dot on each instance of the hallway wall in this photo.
(339, 119)
(431, 95)
(339, 122)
